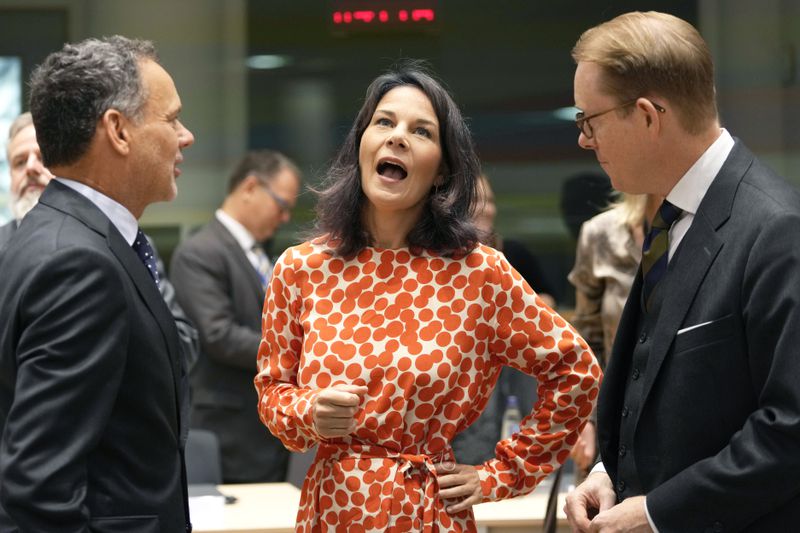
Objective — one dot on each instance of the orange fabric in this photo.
(428, 336)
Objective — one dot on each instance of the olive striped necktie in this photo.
(655, 249)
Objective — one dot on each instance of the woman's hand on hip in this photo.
(459, 486)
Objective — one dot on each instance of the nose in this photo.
(397, 137)
(584, 142)
(34, 166)
(185, 137)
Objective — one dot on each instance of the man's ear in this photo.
(116, 128)
(248, 186)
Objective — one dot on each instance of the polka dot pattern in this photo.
(428, 336)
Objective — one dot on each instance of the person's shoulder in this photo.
(6, 231)
(604, 222)
(205, 239)
(764, 188)
(309, 254)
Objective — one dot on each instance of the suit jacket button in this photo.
(622, 450)
(643, 337)
(620, 486)
(635, 373)
(625, 411)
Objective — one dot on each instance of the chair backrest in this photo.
(299, 463)
(203, 463)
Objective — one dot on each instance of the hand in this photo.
(585, 448)
(335, 409)
(628, 516)
(596, 494)
(460, 484)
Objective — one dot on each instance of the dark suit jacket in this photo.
(220, 290)
(717, 443)
(90, 379)
(6, 231)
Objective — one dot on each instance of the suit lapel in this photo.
(692, 260)
(236, 252)
(695, 255)
(66, 200)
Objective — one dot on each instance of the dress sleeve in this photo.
(589, 288)
(526, 334)
(283, 406)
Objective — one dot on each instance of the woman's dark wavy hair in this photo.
(445, 226)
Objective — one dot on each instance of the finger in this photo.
(340, 398)
(464, 504)
(335, 411)
(358, 390)
(445, 468)
(577, 512)
(607, 500)
(455, 492)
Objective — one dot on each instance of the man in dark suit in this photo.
(220, 274)
(29, 177)
(91, 379)
(698, 413)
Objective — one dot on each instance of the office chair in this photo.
(203, 462)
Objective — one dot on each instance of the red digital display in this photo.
(353, 15)
(383, 16)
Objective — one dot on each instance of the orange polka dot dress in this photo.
(428, 336)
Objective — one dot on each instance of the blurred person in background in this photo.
(220, 274)
(606, 260)
(28, 174)
(384, 335)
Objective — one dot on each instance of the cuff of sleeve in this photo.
(600, 467)
(304, 412)
(649, 518)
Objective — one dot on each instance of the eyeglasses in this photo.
(583, 124)
(282, 203)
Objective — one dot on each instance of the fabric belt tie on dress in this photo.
(424, 463)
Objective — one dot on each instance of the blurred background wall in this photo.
(285, 75)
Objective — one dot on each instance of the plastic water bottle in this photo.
(511, 418)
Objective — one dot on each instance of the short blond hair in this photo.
(648, 54)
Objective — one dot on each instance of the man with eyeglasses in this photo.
(699, 412)
(220, 275)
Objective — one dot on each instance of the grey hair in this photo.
(21, 122)
(74, 87)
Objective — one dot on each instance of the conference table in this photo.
(271, 508)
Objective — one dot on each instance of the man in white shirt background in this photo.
(220, 275)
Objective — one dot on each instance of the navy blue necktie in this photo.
(655, 249)
(142, 248)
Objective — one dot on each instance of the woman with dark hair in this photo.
(384, 335)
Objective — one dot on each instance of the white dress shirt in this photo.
(243, 237)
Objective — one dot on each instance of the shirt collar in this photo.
(239, 232)
(123, 220)
(692, 187)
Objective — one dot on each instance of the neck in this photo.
(684, 152)
(102, 178)
(389, 230)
